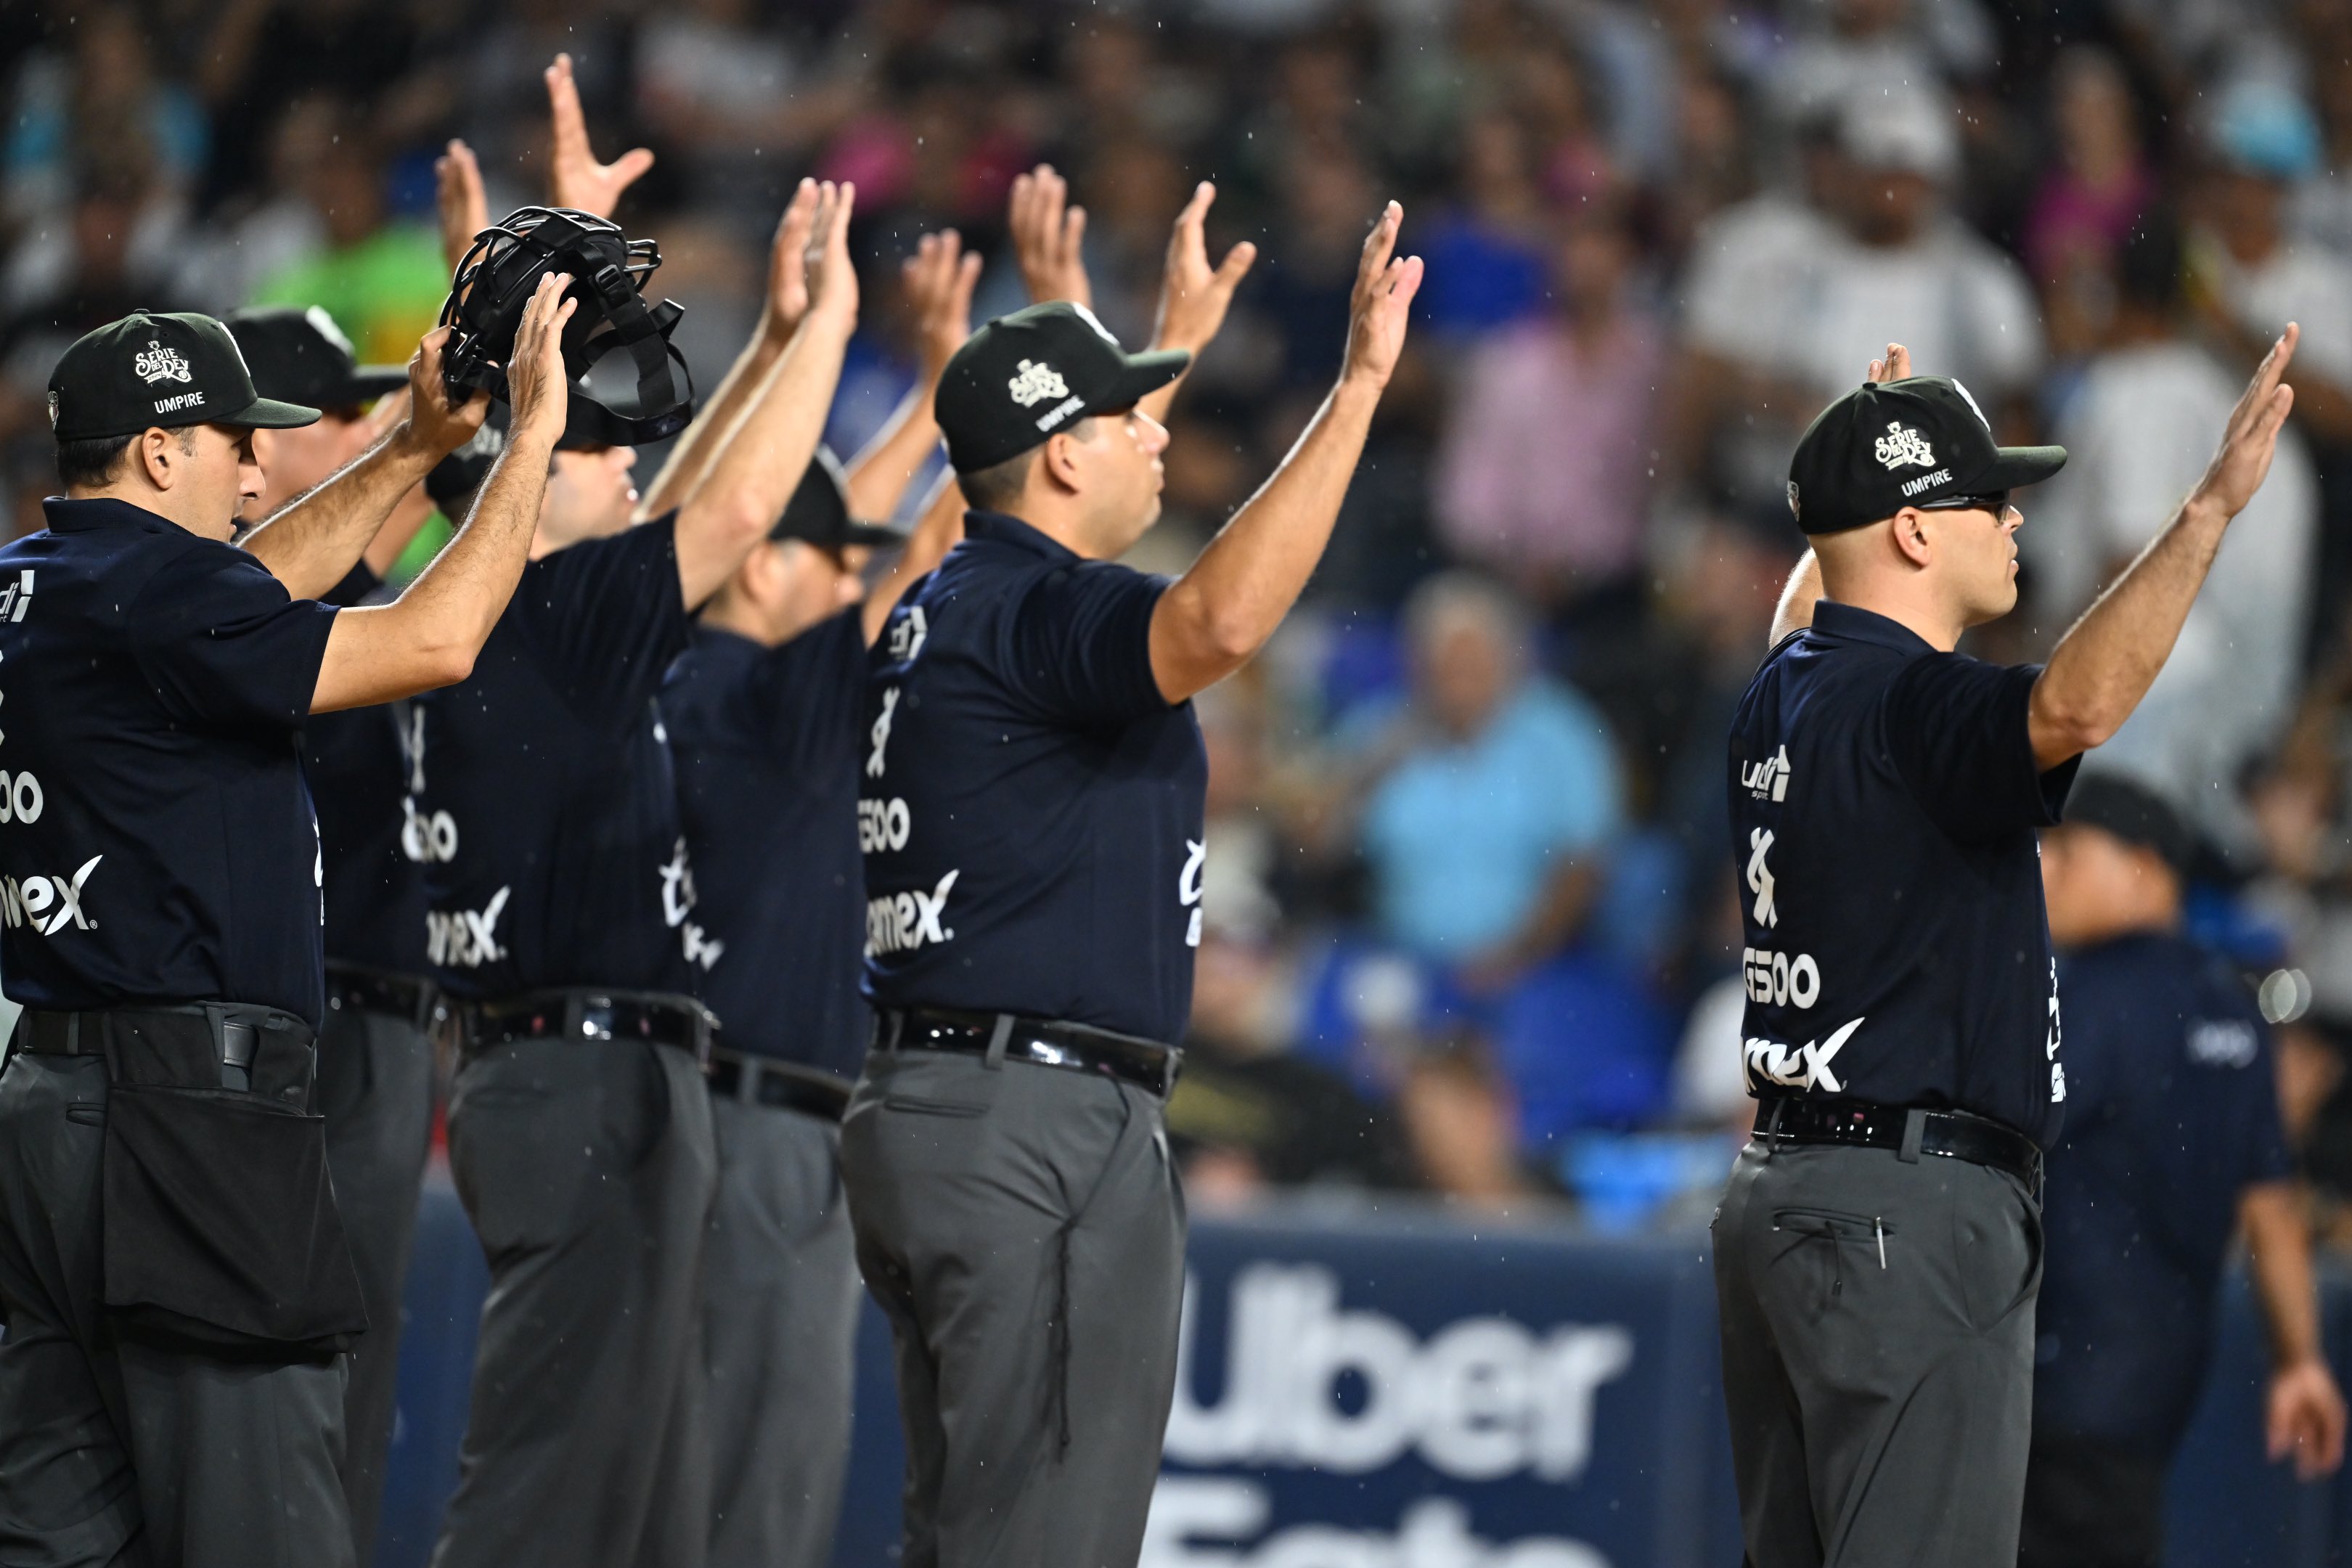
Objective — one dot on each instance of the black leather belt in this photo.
(226, 1037)
(788, 1085)
(1910, 1130)
(586, 1016)
(360, 989)
(1074, 1047)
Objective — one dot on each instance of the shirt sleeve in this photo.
(1957, 730)
(1078, 649)
(223, 644)
(609, 615)
(357, 585)
(2267, 1158)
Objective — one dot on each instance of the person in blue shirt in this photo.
(2172, 1145)
(561, 914)
(176, 1283)
(766, 716)
(1032, 903)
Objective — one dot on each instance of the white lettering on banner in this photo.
(1768, 777)
(902, 922)
(880, 734)
(1188, 887)
(48, 903)
(1193, 1518)
(1759, 876)
(466, 939)
(1804, 1067)
(1484, 1398)
(20, 797)
(428, 840)
(1776, 978)
(908, 635)
(882, 825)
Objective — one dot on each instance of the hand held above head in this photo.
(1049, 237)
(1381, 306)
(2249, 440)
(464, 211)
(436, 425)
(575, 177)
(938, 279)
(1194, 297)
(787, 299)
(832, 272)
(536, 388)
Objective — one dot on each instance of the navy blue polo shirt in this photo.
(373, 853)
(768, 744)
(2171, 1113)
(157, 842)
(1032, 807)
(558, 857)
(1884, 806)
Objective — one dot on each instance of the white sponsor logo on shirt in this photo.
(1759, 876)
(902, 922)
(1798, 1066)
(2222, 1043)
(908, 634)
(880, 734)
(466, 939)
(1188, 887)
(1768, 777)
(48, 903)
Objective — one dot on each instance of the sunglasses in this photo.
(1995, 502)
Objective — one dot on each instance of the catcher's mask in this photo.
(495, 282)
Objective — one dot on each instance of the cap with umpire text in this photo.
(819, 510)
(1022, 377)
(151, 369)
(302, 356)
(1888, 445)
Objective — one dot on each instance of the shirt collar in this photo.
(1855, 625)
(1008, 529)
(104, 511)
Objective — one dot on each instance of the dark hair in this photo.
(997, 487)
(90, 462)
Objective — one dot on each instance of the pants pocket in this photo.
(1998, 1247)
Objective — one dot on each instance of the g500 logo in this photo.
(48, 903)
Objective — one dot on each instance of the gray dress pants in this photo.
(1022, 1229)
(1877, 1320)
(375, 1090)
(780, 1328)
(588, 1170)
(115, 1453)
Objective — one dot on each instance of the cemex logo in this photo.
(902, 922)
(1800, 1067)
(466, 939)
(48, 904)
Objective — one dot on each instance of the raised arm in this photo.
(312, 542)
(2305, 1409)
(429, 636)
(764, 458)
(938, 279)
(575, 178)
(940, 527)
(1193, 295)
(1213, 617)
(1049, 237)
(2107, 661)
(780, 317)
(464, 211)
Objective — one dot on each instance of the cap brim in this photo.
(2014, 468)
(1145, 373)
(268, 414)
(875, 535)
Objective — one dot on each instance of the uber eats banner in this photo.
(1408, 1394)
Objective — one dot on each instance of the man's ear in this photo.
(1058, 461)
(159, 453)
(1910, 526)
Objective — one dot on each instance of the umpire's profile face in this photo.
(1112, 461)
(209, 470)
(1973, 549)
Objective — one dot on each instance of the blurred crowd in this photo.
(1469, 913)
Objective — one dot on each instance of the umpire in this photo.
(375, 1052)
(1033, 806)
(174, 1281)
(2172, 1144)
(1878, 1250)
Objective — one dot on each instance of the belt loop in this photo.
(998, 1038)
(1772, 1126)
(73, 1034)
(898, 1030)
(1915, 1128)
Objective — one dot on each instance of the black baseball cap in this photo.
(151, 369)
(2123, 806)
(1024, 376)
(1889, 445)
(819, 510)
(300, 355)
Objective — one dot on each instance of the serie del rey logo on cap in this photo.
(1899, 447)
(156, 362)
(1037, 382)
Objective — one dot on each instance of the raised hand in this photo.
(1895, 366)
(1193, 297)
(1385, 286)
(457, 194)
(435, 424)
(833, 275)
(575, 178)
(788, 259)
(536, 388)
(1048, 238)
(938, 279)
(2251, 439)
